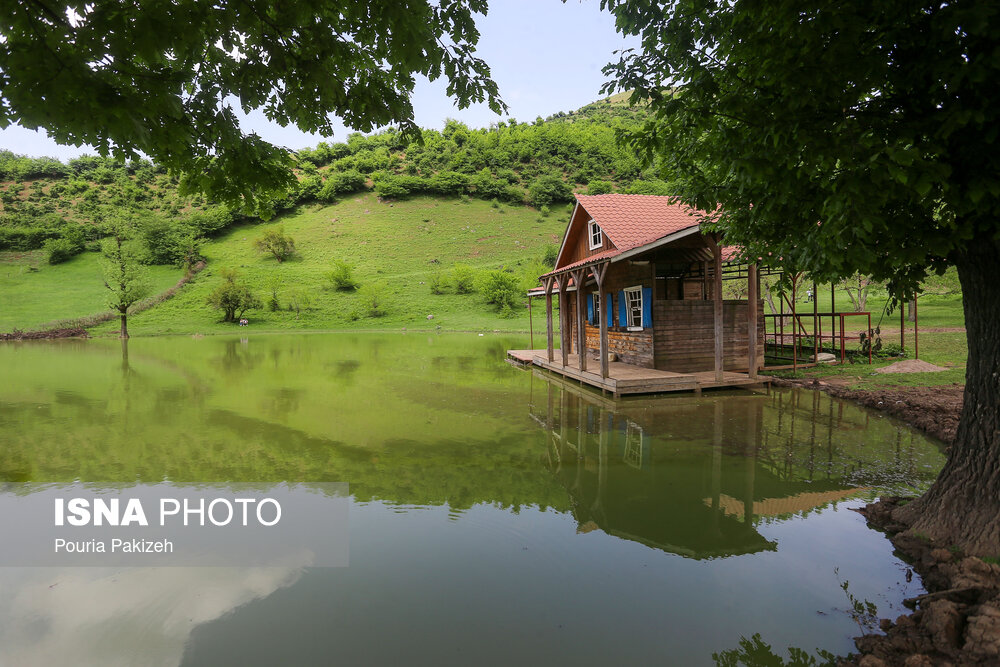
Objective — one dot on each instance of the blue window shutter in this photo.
(590, 309)
(647, 307)
(609, 309)
(622, 309)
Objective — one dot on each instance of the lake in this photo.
(497, 515)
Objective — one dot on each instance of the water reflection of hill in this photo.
(416, 420)
(695, 475)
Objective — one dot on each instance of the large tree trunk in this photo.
(124, 328)
(963, 506)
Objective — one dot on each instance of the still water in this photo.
(497, 515)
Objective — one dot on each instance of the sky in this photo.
(545, 55)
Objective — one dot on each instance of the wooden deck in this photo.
(628, 379)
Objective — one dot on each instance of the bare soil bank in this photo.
(66, 332)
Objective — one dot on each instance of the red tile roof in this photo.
(631, 221)
(593, 259)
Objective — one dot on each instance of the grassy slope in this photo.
(30, 298)
(389, 243)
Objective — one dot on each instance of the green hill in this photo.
(403, 211)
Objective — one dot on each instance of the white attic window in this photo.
(596, 235)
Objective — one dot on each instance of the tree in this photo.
(857, 288)
(232, 297)
(123, 269)
(855, 137)
(275, 242)
(164, 79)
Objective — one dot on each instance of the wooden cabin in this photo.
(639, 285)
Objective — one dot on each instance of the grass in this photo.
(943, 348)
(399, 246)
(34, 292)
(946, 349)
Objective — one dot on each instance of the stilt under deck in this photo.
(629, 379)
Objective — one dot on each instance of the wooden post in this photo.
(599, 272)
(531, 327)
(781, 317)
(902, 324)
(581, 328)
(548, 319)
(752, 299)
(869, 339)
(717, 279)
(795, 327)
(563, 321)
(833, 318)
(815, 323)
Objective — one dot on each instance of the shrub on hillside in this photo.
(399, 187)
(165, 239)
(551, 255)
(61, 250)
(310, 186)
(342, 276)
(449, 183)
(650, 187)
(549, 189)
(232, 297)
(600, 188)
(500, 289)
(462, 279)
(276, 243)
(373, 300)
(214, 219)
(341, 183)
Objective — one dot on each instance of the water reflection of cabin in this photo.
(690, 476)
(637, 278)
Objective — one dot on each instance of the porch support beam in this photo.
(563, 320)
(599, 272)
(752, 299)
(550, 356)
(717, 296)
(579, 276)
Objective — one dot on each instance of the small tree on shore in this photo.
(124, 273)
(232, 297)
(276, 243)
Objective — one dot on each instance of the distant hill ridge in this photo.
(538, 163)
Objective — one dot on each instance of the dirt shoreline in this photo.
(934, 410)
(64, 332)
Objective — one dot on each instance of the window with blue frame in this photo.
(594, 309)
(635, 306)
